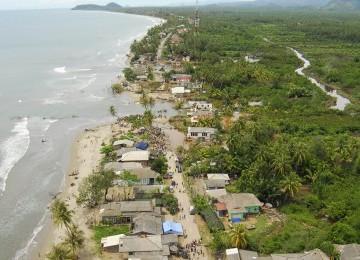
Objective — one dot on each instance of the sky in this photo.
(44, 4)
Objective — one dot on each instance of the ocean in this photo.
(56, 68)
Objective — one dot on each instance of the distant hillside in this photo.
(342, 5)
(108, 7)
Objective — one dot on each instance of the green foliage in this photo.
(105, 231)
(93, 188)
(129, 74)
(60, 214)
(128, 177)
(117, 88)
(170, 202)
(211, 219)
(60, 251)
(343, 234)
(159, 165)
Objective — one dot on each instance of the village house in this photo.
(179, 92)
(111, 243)
(219, 176)
(146, 176)
(181, 78)
(124, 211)
(143, 246)
(118, 167)
(147, 224)
(123, 143)
(238, 206)
(239, 254)
(216, 193)
(136, 156)
(200, 105)
(120, 152)
(349, 251)
(142, 78)
(204, 133)
(214, 184)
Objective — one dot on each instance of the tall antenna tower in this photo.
(196, 19)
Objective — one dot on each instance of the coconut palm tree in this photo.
(280, 164)
(60, 214)
(74, 238)
(238, 236)
(60, 252)
(290, 185)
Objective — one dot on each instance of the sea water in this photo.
(56, 67)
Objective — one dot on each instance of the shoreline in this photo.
(84, 157)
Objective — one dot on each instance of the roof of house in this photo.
(237, 202)
(135, 156)
(118, 208)
(169, 239)
(126, 142)
(116, 166)
(111, 240)
(349, 251)
(124, 150)
(140, 244)
(180, 76)
(144, 173)
(215, 183)
(178, 90)
(218, 176)
(315, 254)
(147, 223)
(220, 206)
(201, 130)
(232, 254)
(170, 227)
(216, 193)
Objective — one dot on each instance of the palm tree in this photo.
(280, 164)
(290, 185)
(60, 252)
(74, 238)
(112, 110)
(300, 155)
(60, 214)
(238, 236)
(148, 117)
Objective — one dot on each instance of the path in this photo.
(190, 227)
(161, 47)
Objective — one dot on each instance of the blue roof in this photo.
(172, 228)
(142, 145)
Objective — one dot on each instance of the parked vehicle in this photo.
(192, 210)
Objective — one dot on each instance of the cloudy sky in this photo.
(28, 4)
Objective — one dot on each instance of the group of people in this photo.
(195, 249)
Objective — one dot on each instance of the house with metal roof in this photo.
(349, 251)
(145, 175)
(214, 184)
(147, 224)
(123, 143)
(136, 156)
(205, 133)
(239, 205)
(111, 243)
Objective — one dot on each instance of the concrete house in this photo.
(179, 92)
(111, 243)
(239, 205)
(219, 176)
(205, 133)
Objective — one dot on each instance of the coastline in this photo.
(85, 158)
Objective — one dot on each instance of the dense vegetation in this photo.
(294, 151)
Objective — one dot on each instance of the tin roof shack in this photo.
(136, 156)
(147, 224)
(150, 247)
(239, 205)
(219, 176)
(124, 211)
(214, 184)
(204, 133)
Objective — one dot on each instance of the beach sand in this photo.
(85, 158)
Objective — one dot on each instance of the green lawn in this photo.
(105, 231)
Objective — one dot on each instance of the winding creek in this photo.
(341, 102)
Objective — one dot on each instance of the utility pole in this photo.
(196, 19)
